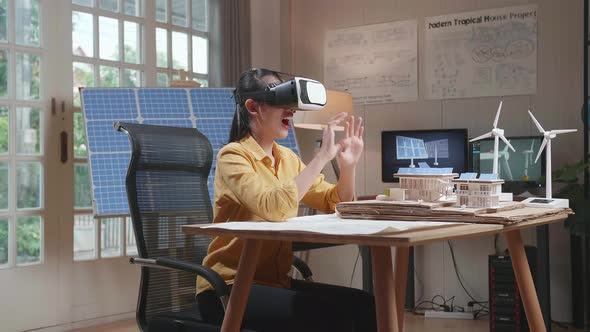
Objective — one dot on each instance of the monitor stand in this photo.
(551, 203)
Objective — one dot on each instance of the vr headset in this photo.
(298, 93)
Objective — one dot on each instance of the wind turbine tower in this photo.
(548, 136)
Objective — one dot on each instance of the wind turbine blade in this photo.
(507, 143)
(536, 122)
(532, 144)
(498, 115)
(481, 137)
(541, 149)
(563, 131)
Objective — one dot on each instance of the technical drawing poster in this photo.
(485, 53)
(376, 63)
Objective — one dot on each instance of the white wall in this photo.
(266, 34)
(556, 104)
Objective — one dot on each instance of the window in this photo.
(118, 60)
(22, 146)
(109, 50)
(182, 40)
(108, 40)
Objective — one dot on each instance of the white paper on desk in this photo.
(330, 224)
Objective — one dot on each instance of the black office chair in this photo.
(167, 188)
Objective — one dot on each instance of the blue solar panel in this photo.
(212, 103)
(163, 103)
(101, 138)
(184, 123)
(485, 176)
(108, 104)
(424, 170)
(209, 110)
(404, 170)
(108, 172)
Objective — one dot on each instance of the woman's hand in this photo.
(329, 147)
(327, 152)
(352, 143)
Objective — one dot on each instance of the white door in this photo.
(29, 218)
(58, 264)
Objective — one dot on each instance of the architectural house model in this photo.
(478, 193)
(426, 184)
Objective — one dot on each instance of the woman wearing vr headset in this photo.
(257, 179)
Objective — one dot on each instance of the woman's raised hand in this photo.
(329, 147)
(352, 143)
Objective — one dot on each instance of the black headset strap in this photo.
(264, 96)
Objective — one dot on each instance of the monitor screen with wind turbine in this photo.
(518, 169)
(511, 159)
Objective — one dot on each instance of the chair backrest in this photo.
(167, 188)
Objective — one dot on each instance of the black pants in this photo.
(305, 307)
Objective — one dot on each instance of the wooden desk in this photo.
(387, 288)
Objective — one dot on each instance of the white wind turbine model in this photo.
(498, 134)
(548, 136)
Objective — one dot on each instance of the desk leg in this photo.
(401, 278)
(543, 274)
(525, 281)
(384, 289)
(241, 288)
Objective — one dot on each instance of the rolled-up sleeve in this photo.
(271, 203)
(322, 195)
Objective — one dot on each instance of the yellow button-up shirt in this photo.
(249, 188)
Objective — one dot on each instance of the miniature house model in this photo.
(478, 193)
(427, 184)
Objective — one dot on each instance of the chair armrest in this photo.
(303, 268)
(221, 289)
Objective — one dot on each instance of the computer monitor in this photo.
(422, 148)
(518, 169)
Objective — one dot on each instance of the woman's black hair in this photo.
(250, 80)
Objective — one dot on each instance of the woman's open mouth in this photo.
(287, 123)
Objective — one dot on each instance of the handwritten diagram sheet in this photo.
(376, 63)
(485, 53)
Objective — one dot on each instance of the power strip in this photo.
(448, 314)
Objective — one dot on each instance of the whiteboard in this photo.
(484, 53)
(376, 63)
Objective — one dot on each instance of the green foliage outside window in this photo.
(83, 197)
(3, 186)
(28, 240)
(3, 74)
(3, 130)
(80, 149)
(3, 241)
(28, 185)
